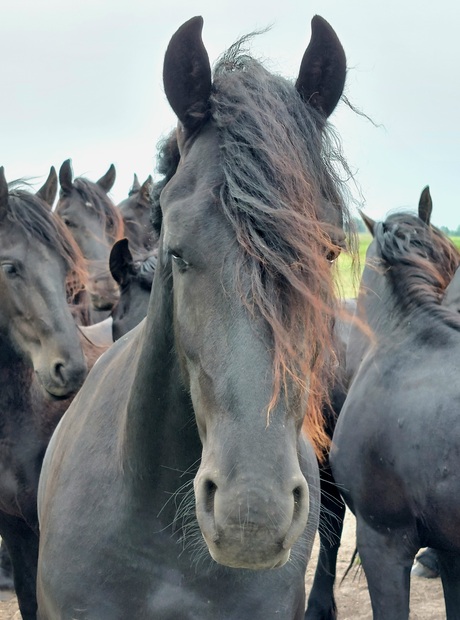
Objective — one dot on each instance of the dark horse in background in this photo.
(395, 450)
(95, 223)
(135, 280)
(41, 363)
(186, 439)
(353, 338)
(136, 213)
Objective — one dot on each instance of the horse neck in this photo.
(378, 307)
(16, 377)
(22, 398)
(159, 440)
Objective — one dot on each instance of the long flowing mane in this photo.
(422, 260)
(95, 198)
(35, 218)
(284, 198)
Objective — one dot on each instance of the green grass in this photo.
(347, 285)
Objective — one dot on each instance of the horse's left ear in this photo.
(121, 261)
(187, 75)
(135, 187)
(48, 190)
(322, 71)
(370, 223)
(107, 181)
(3, 194)
(425, 206)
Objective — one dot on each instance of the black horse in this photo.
(395, 447)
(182, 459)
(135, 211)
(41, 362)
(95, 223)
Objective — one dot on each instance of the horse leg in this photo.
(449, 564)
(22, 544)
(6, 569)
(387, 560)
(321, 602)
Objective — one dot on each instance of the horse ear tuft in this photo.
(108, 179)
(3, 194)
(323, 68)
(370, 223)
(425, 205)
(187, 75)
(66, 177)
(121, 261)
(48, 190)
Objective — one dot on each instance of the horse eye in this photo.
(182, 264)
(69, 223)
(9, 269)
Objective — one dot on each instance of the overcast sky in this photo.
(84, 80)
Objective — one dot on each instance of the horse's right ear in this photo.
(108, 179)
(121, 261)
(370, 223)
(66, 177)
(322, 71)
(146, 189)
(425, 206)
(3, 194)
(187, 75)
(48, 190)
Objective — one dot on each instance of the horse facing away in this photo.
(41, 363)
(185, 441)
(353, 340)
(395, 446)
(95, 223)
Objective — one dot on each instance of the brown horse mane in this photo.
(280, 175)
(34, 216)
(423, 261)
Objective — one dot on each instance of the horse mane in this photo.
(34, 217)
(168, 157)
(280, 164)
(422, 261)
(96, 198)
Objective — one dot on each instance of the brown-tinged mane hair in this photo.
(37, 221)
(285, 200)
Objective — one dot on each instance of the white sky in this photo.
(84, 80)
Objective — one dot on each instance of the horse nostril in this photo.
(298, 499)
(210, 492)
(59, 373)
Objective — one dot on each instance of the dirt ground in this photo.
(353, 602)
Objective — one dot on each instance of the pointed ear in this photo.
(3, 195)
(425, 206)
(187, 75)
(107, 181)
(121, 261)
(146, 189)
(370, 223)
(48, 190)
(66, 177)
(323, 68)
(136, 185)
